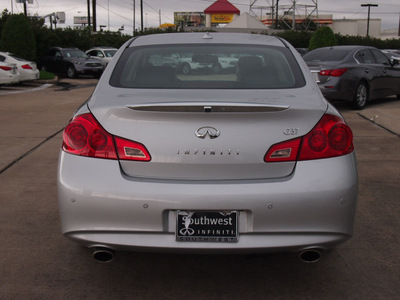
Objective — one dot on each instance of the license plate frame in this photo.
(207, 226)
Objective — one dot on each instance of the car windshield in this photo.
(207, 67)
(74, 53)
(325, 55)
(109, 53)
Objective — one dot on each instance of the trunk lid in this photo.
(200, 135)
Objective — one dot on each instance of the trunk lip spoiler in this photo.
(208, 107)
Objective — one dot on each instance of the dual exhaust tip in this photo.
(105, 255)
(310, 255)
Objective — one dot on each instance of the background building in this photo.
(357, 27)
(220, 12)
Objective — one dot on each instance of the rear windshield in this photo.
(207, 67)
(325, 55)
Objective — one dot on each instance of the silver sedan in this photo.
(252, 159)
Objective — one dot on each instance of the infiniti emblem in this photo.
(186, 231)
(202, 132)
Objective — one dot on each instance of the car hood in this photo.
(166, 122)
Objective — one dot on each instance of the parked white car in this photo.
(27, 69)
(105, 54)
(8, 73)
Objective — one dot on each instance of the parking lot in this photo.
(37, 262)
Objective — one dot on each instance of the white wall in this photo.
(357, 27)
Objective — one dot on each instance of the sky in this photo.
(114, 14)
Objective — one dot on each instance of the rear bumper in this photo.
(28, 76)
(313, 208)
(248, 243)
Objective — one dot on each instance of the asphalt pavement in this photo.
(37, 262)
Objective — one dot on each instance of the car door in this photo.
(391, 83)
(48, 61)
(373, 72)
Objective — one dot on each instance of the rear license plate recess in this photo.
(207, 226)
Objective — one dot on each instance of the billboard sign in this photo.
(80, 20)
(190, 18)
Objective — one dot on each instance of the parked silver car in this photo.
(254, 160)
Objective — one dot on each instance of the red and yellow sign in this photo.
(221, 18)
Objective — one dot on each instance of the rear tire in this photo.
(361, 96)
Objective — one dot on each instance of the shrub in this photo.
(298, 39)
(322, 37)
(18, 37)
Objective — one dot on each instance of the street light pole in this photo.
(369, 10)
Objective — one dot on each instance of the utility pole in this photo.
(141, 15)
(25, 10)
(94, 15)
(369, 10)
(399, 26)
(294, 16)
(277, 15)
(134, 18)
(88, 13)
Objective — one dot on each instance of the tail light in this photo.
(333, 72)
(26, 67)
(85, 137)
(329, 138)
(5, 68)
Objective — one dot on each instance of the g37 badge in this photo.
(291, 131)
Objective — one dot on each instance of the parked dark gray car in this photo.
(71, 62)
(354, 73)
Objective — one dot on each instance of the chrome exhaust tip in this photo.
(310, 256)
(103, 255)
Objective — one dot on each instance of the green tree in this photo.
(3, 19)
(18, 37)
(322, 37)
(298, 39)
